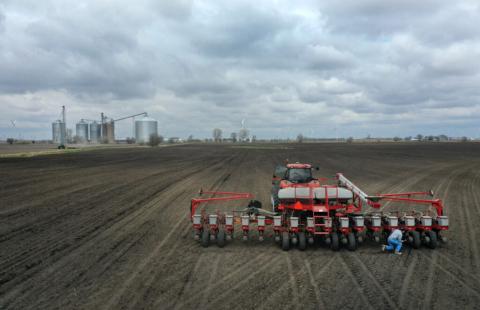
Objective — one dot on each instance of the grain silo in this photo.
(108, 132)
(58, 132)
(144, 128)
(82, 131)
(95, 132)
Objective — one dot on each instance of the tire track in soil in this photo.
(220, 297)
(438, 188)
(292, 280)
(311, 278)
(358, 286)
(403, 298)
(467, 225)
(473, 290)
(181, 220)
(128, 219)
(131, 219)
(281, 284)
(427, 302)
(238, 271)
(85, 229)
(471, 226)
(188, 282)
(211, 279)
(379, 286)
(142, 265)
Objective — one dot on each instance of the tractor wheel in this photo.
(352, 243)
(416, 239)
(285, 241)
(335, 243)
(376, 237)
(433, 239)
(205, 237)
(302, 241)
(221, 238)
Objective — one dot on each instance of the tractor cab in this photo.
(291, 175)
(297, 174)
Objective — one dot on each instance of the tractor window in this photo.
(299, 175)
(280, 171)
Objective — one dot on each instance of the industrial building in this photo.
(103, 131)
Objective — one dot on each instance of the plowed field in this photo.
(109, 229)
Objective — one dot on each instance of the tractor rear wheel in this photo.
(352, 243)
(285, 241)
(417, 241)
(335, 243)
(302, 241)
(205, 238)
(221, 238)
(433, 239)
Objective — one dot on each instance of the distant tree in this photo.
(254, 138)
(300, 138)
(443, 138)
(243, 134)
(217, 135)
(396, 139)
(130, 140)
(233, 136)
(190, 138)
(419, 137)
(408, 138)
(430, 138)
(10, 140)
(464, 139)
(155, 140)
(350, 140)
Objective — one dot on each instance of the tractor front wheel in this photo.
(285, 241)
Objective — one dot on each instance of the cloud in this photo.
(370, 66)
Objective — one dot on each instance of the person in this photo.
(394, 242)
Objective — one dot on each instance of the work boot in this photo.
(383, 247)
(398, 252)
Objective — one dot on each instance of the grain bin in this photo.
(95, 132)
(144, 128)
(108, 132)
(82, 131)
(58, 132)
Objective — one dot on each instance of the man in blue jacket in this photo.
(394, 242)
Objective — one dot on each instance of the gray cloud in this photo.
(369, 66)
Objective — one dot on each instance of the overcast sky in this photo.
(374, 67)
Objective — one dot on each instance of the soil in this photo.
(109, 229)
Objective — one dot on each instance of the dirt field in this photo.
(108, 229)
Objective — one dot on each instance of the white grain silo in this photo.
(144, 128)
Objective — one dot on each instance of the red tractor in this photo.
(306, 209)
